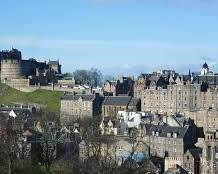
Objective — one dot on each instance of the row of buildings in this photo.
(175, 117)
(95, 105)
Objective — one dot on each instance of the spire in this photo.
(205, 65)
(189, 73)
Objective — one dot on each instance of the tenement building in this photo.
(80, 105)
(177, 93)
(172, 145)
(17, 72)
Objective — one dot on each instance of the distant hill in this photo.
(51, 99)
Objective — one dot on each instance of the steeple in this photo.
(205, 69)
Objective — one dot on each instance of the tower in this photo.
(10, 65)
(204, 69)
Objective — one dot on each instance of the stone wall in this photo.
(10, 69)
(18, 83)
(173, 162)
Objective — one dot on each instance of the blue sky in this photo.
(124, 36)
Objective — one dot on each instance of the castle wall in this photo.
(28, 67)
(18, 83)
(10, 69)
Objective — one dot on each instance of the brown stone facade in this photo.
(80, 105)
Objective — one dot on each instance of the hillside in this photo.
(51, 99)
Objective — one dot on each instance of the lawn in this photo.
(50, 99)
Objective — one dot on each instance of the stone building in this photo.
(113, 104)
(179, 97)
(140, 85)
(192, 160)
(209, 161)
(55, 66)
(80, 105)
(168, 142)
(175, 93)
(122, 86)
(110, 88)
(15, 71)
(207, 118)
(171, 98)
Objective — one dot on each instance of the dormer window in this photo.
(169, 135)
(175, 135)
(157, 133)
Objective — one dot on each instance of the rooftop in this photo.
(164, 130)
(84, 97)
(121, 100)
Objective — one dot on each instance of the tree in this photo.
(96, 77)
(91, 77)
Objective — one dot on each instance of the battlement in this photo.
(12, 54)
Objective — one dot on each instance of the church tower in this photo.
(204, 69)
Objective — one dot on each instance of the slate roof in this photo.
(210, 79)
(85, 97)
(53, 62)
(121, 101)
(18, 111)
(196, 153)
(164, 130)
(117, 100)
(134, 101)
(181, 120)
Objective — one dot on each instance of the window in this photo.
(209, 152)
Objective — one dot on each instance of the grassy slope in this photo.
(51, 99)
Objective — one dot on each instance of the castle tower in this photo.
(10, 65)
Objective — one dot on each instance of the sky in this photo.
(115, 36)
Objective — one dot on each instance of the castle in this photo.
(22, 73)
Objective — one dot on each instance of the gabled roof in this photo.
(117, 100)
(121, 101)
(134, 101)
(84, 97)
(180, 119)
(20, 112)
(53, 62)
(196, 152)
(164, 130)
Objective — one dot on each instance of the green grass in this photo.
(50, 99)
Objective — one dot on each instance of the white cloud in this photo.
(34, 42)
(65, 44)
